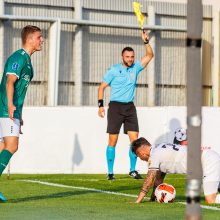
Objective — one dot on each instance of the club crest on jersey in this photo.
(15, 66)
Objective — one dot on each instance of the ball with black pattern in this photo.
(180, 134)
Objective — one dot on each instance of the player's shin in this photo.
(133, 160)
(110, 157)
(5, 157)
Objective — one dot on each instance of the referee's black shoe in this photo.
(111, 176)
(135, 175)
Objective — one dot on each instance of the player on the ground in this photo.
(180, 137)
(18, 72)
(122, 79)
(171, 158)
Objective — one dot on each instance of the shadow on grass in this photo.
(50, 196)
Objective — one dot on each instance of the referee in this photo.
(122, 79)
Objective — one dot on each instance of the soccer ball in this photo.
(165, 193)
(180, 134)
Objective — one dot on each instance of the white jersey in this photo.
(172, 158)
(168, 158)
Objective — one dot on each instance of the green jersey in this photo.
(19, 64)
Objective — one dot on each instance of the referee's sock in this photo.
(5, 156)
(133, 160)
(110, 157)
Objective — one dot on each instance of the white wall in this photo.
(74, 139)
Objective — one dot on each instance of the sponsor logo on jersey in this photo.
(27, 79)
(15, 66)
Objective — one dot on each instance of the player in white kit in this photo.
(172, 158)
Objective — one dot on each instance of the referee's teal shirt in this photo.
(122, 81)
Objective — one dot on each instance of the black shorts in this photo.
(122, 113)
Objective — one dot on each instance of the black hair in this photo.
(127, 49)
(138, 143)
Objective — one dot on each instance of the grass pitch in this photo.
(88, 197)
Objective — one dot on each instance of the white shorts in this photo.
(210, 188)
(211, 171)
(9, 127)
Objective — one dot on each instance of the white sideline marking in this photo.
(103, 191)
(79, 187)
(204, 206)
(104, 179)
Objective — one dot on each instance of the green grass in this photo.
(35, 201)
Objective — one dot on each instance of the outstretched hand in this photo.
(145, 36)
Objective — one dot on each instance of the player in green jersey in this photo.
(17, 75)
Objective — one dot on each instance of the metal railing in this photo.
(153, 89)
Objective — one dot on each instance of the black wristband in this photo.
(146, 42)
(100, 103)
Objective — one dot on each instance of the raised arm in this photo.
(148, 183)
(149, 54)
(101, 90)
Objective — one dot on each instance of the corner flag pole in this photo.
(194, 103)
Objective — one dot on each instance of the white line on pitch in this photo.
(104, 179)
(103, 191)
(79, 187)
(204, 206)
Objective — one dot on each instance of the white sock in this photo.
(217, 200)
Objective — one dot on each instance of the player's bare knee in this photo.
(12, 148)
(113, 140)
(11, 143)
(210, 199)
